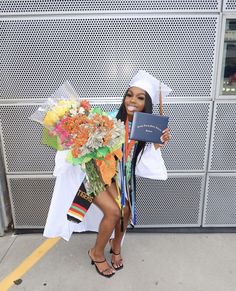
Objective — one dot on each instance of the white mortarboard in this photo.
(151, 85)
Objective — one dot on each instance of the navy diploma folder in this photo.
(148, 127)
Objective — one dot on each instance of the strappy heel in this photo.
(102, 273)
(115, 254)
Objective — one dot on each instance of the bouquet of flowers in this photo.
(93, 138)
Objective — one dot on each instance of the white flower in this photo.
(73, 111)
(81, 110)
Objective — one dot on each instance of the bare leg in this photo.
(111, 215)
(116, 242)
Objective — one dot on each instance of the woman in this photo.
(143, 91)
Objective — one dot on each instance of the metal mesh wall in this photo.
(175, 202)
(98, 46)
(229, 5)
(190, 124)
(21, 137)
(30, 198)
(220, 204)
(39, 54)
(223, 146)
(109, 5)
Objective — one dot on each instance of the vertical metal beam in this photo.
(5, 212)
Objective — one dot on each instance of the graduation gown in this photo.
(68, 181)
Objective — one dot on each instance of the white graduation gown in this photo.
(68, 181)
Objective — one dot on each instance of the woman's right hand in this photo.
(165, 138)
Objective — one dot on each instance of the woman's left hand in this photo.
(164, 138)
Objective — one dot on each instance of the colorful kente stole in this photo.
(80, 205)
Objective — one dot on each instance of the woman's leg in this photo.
(111, 215)
(116, 242)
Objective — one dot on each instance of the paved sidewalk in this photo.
(153, 262)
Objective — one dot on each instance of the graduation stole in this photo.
(127, 148)
(128, 145)
(80, 205)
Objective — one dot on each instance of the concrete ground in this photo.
(153, 262)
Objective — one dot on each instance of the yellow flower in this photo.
(60, 110)
(68, 103)
(63, 106)
(50, 119)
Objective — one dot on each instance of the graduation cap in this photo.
(151, 85)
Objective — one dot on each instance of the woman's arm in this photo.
(165, 138)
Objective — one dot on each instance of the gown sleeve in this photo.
(151, 164)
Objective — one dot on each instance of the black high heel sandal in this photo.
(115, 254)
(102, 273)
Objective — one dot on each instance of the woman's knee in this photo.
(113, 212)
(108, 205)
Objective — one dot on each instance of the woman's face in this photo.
(134, 101)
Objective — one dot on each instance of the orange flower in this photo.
(85, 104)
(75, 152)
(107, 166)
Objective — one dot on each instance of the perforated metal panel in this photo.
(220, 201)
(174, 202)
(190, 125)
(108, 5)
(30, 199)
(98, 46)
(229, 5)
(21, 137)
(100, 55)
(223, 143)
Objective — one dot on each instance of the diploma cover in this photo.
(148, 127)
